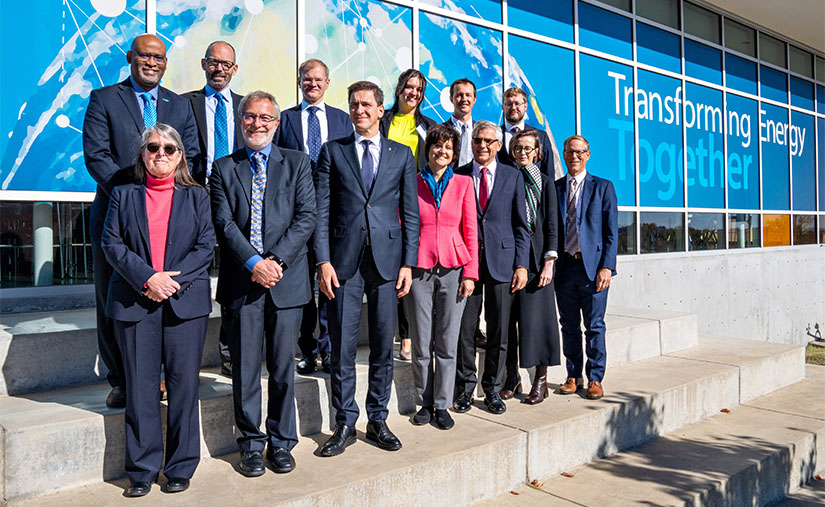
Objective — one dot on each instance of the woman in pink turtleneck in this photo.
(158, 237)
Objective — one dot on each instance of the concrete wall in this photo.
(768, 294)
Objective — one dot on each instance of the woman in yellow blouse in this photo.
(405, 124)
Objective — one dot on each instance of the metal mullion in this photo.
(505, 51)
(416, 36)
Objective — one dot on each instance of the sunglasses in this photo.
(168, 149)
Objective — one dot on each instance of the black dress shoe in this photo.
(117, 399)
(481, 339)
(326, 363)
(379, 433)
(252, 464)
(442, 419)
(463, 403)
(226, 369)
(494, 404)
(306, 365)
(177, 484)
(343, 437)
(423, 416)
(281, 460)
(138, 489)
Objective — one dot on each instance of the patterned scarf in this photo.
(437, 187)
(532, 191)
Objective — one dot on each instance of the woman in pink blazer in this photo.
(446, 274)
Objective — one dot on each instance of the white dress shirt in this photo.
(321, 114)
(579, 186)
(465, 151)
(491, 177)
(375, 150)
(211, 104)
(508, 133)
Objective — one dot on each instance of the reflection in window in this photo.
(771, 50)
(777, 230)
(702, 23)
(743, 230)
(804, 229)
(739, 37)
(662, 232)
(820, 69)
(627, 232)
(822, 229)
(706, 231)
(801, 62)
(665, 12)
(484, 9)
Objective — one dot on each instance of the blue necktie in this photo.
(150, 114)
(367, 166)
(313, 134)
(221, 146)
(256, 234)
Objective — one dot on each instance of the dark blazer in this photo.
(422, 123)
(348, 215)
(190, 249)
(289, 219)
(111, 132)
(503, 233)
(547, 165)
(545, 236)
(598, 223)
(290, 132)
(198, 100)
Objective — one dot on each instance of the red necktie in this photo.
(483, 191)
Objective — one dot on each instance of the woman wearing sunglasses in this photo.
(158, 237)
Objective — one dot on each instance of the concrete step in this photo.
(70, 337)
(74, 444)
(758, 453)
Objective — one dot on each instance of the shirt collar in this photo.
(376, 140)
(579, 177)
(266, 151)
(140, 91)
(321, 107)
(509, 126)
(491, 167)
(226, 93)
(458, 123)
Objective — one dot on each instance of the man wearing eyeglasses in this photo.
(263, 206)
(115, 119)
(514, 106)
(306, 127)
(504, 249)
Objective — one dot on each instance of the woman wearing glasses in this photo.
(159, 239)
(534, 330)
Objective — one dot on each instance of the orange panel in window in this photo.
(777, 230)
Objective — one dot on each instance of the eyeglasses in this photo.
(578, 153)
(524, 149)
(479, 141)
(168, 149)
(251, 117)
(213, 63)
(145, 57)
(515, 104)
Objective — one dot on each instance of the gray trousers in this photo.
(434, 310)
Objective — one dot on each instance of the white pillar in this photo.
(43, 264)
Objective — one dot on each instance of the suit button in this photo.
(363, 227)
(369, 206)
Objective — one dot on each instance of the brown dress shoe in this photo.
(571, 385)
(512, 387)
(594, 390)
(539, 390)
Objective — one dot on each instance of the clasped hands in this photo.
(160, 286)
(267, 273)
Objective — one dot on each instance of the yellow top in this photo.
(402, 130)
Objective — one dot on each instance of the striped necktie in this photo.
(256, 234)
(221, 141)
(150, 114)
(571, 239)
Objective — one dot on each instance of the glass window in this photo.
(484, 9)
(702, 23)
(773, 133)
(802, 93)
(801, 62)
(820, 99)
(822, 229)
(820, 69)
(706, 231)
(665, 12)
(705, 147)
(743, 230)
(773, 84)
(739, 37)
(740, 74)
(743, 152)
(772, 50)
(777, 230)
(619, 4)
(662, 232)
(703, 62)
(658, 48)
(820, 123)
(553, 19)
(804, 229)
(803, 161)
(660, 141)
(627, 232)
(605, 31)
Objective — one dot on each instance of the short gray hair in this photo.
(577, 138)
(182, 175)
(484, 124)
(259, 95)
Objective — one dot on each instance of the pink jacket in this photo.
(449, 235)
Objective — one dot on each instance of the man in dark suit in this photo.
(306, 127)
(514, 106)
(366, 242)
(115, 119)
(263, 205)
(504, 254)
(463, 97)
(588, 212)
(219, 132)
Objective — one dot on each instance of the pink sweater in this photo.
(159, 194)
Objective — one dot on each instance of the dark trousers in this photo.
(497, 301)
(577, 298)
(106, 342)
(312, 313)
(344, 324)
(259, 322)
(223, 339)
(161, 338)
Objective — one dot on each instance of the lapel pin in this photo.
(165, 100)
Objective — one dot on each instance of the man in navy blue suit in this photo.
(306, 127)
(115, 118)
(588, 212)
(366, 242)
(504, 250)
(514, 107)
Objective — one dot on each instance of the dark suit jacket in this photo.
(348, 215)
(289, 219)
(503, 233)
(545, 236)
(291, 133)
(598, 223)
(111, 133)
(198, 100)
(190, 249)
(424, 124)
(547, 165)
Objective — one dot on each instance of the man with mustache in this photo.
(514, 107)
(115, 119)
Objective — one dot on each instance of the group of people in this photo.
(430, 222)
